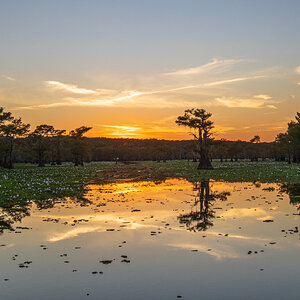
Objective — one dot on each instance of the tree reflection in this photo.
(293, 191)
(82, 201)
(45, 204)
(11, 214)
(202, 214)
(16, 212)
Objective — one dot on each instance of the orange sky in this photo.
(116, 122)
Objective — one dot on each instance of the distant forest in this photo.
(107, 149)
(46, 144)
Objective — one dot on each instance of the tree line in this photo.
(46, 144)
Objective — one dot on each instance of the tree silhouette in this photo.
(285, 144)
(289, 141)
(41, 135)
(5, 116)
(294, 136)
(10, 131)
(77, 147)
(255, 139)
(253, 149)
(56, 153)
(198, 120)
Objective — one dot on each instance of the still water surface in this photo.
(146, 240)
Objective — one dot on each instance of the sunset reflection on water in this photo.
(176, 232)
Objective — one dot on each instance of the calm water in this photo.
(144, 240)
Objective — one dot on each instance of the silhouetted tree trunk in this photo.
(40, 154)
(10, 153)
(204, 161)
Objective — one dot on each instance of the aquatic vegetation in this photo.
(241, 171)
(32, 183)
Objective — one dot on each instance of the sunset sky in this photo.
(128, 68)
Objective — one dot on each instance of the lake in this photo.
(155, 240)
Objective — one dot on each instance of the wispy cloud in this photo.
(8, 78)
(216, 65)
(255, 102)
(126, 98)
(70, 88)
(162, 97)
(265, 126)
(71, 101)
(139, 129)
(211, 84)
(264, 97)
(115, 130)
(223, 129)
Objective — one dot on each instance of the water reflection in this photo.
(201, 216)
(181, 237)
(293, 191)
(11, 214)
